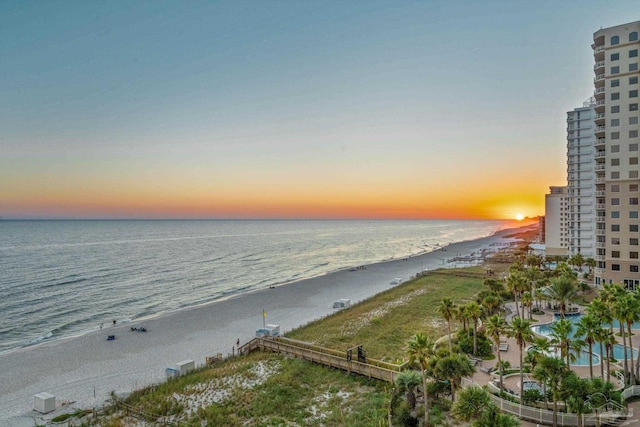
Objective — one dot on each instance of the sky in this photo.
(290, 109)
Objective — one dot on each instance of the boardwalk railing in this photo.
(607, 414)
(336, 359)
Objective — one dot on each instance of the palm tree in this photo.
(630, 315)
(609, 340)
(561, 337)
(496, 326)
(527, 301)
(474, 311)
(493, 418)
(562, 289)
(591, 263)
(520, 330)
(446, 309)
(551, 371)
(588, 327)
(471, 403)
(420, 350)
(407, 382)
(453, 368)
(516, 283)
(491, 303)
(619, 313)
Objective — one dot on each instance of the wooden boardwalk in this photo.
(325, 356)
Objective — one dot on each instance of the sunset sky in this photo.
(290, 109)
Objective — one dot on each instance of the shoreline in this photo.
(74, 368)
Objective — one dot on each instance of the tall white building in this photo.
(617, 156)
(581, 180)
(556, 208)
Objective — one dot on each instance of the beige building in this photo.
(556, 209)
(617, 179)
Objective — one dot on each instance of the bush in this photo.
(466, 344)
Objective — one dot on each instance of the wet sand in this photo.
(84, 370)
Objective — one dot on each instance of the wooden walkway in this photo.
(325, 356)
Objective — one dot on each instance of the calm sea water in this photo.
(61, 278)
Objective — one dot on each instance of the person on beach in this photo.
(238, 343)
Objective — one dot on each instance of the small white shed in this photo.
(44, 402)
(185, 366)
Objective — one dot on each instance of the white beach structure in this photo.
(185, 367)
(44, 402)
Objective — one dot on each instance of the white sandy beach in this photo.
(76, 368)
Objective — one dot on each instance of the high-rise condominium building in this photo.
(556, 209)
(581, 180)
(615, 51)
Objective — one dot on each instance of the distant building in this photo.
(617, 183)
(581, 179)
(542, 229)
(556, 206)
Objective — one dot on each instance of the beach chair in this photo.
(504, 346)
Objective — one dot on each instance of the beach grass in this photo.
(384, 323)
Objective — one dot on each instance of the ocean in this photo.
(63, 278)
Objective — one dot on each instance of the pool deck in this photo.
(513, 356)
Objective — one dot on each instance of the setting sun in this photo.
(519, 217)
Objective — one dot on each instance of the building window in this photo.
(633, 93)
(633, 134)
(633, 147)
(615, 122)
(615, 175)
(615, 227)
(615, 254)
(615, 162)
(633, 174)
(633, 187)
(615, 267)
(633, 228)
(615, 188)
(633, 67)
(615, 83)
(633, 255)
(615, 201)
(633, 160)
(615, 96)
(633, 120)
(615, 40)
(633, 107)
(615, 70)
(633, 201)
(633, 268)
(615, 214)
(615, 241)
(633, 241)
(615, 135)
(633, 214)
(633, 53)
(615, 109)
(633, 36)
(633, 80)
(615, 56)
(615, 148)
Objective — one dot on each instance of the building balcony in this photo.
(600, 193)
(599, 270)
(601, 232)
(601, 180)
(598, 65)
(600, 102)
(600, 154)
(599, 258)
(599, 77)
(598, 49)
(599, 91)
(600, 128)
(601, 167)
(600, 206)
(601, 141)
(600, 115)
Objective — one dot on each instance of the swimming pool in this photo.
(618, 349)
(581, 360)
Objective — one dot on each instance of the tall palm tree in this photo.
(552, 370)
(420, 350)
(491, 303)
(561, 337)
(471, 403)
(562, 289)
(527, 301)
(588, 327)
(520, 330)
(474, 311)
(630, 315)
(516, 283)
(609, 340)
(446, 309)
(619, 313)
(496, 326)
(407, 382)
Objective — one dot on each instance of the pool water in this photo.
(618, 349)
(581, 360)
